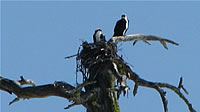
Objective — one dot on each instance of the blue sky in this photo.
(36, 36)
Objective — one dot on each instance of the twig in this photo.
(71, 56)
(135, 89)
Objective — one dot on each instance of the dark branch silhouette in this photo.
(104, 78)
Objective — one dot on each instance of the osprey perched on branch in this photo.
(121, 26)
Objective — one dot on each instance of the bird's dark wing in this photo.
(119, 27)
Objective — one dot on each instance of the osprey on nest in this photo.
(98, 36)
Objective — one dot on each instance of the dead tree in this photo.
(104, 78)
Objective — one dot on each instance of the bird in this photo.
(99, 36)
(121, 26)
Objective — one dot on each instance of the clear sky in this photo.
(36, 36)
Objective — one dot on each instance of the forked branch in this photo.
(158, 86)
(60, 89)
(142, 37)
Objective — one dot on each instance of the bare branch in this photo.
(60, 89)
(71, 56)
(141, 82)
(142, 37)
(12, 86)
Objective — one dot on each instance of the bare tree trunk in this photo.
(106, 100)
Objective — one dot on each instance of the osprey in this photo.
(98, 36)
(121, 26)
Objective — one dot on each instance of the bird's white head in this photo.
(124, 16)
(98, 36)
